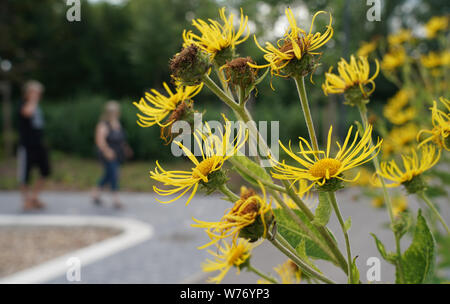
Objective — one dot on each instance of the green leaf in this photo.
(355, 272)
(348, 224)
(323, 210)
(387, 256)
(292, 233)
(418, 259)
(243, 163)
(301, 251)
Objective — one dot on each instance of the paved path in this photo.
(171, 255)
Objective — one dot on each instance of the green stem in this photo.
(430, 204)
(251, 174)
(220, 93)
(230, 194)
(363, 113)
(279, 242)
(261, 274)
(322, 230)
(311, 235)
(300, 83)
(332, 198)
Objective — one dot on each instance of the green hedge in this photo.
(70, 127)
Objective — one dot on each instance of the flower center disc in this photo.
(319, 169)
(204, 167)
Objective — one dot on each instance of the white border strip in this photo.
(134, 232)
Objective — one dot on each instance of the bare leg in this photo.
(37, 189)
(116, 200)
(95, 194)
(27, 202)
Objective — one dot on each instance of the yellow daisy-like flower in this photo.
(393, 59)
(440, 133)
(246, 211)
(216, 37)
(366, 48)
(214, 150)
(400, 139)
(399, 205)
(413, 166)
(318, 170)
(396, 111)
(365, 177)
(155, 107)
(351, 74)
(293, 45)
(431, 60)
(288, 272)
(228, 256)
(436, 24)
(400, 37)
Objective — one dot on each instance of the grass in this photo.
(77, 174)
(80, 174)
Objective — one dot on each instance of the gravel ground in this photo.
(25, 246)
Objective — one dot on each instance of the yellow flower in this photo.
(399, 204)
(400, 139)
(215, 151)
(364, 179)
(395, 58)
(228, 256)
(436, 24)
(216, 37)
(351, 74)
(366, 48)
(288, 272)
(431, 60)
(245, 212)
(318, 170)
(400, 37)
(294, 45)
(378, 202)
(155, 106)
(440, 133)
(413, 166)
(395, 110)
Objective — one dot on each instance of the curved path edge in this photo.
(133, 233)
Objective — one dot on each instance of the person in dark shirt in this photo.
(112, 149)
(32, 152)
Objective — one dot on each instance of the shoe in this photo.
(117, 205)
(38, 204)
(97, 201)
(28, 206)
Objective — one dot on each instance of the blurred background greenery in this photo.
(120, 49)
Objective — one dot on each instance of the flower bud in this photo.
(190, 65)
(239, 74)
(184, 111)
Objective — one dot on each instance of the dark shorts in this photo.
(30, 157)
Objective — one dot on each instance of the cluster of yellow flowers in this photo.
(308, 168)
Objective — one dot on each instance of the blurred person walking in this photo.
(32, 150)
(112, 149)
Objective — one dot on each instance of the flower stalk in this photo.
(430, 204)
(300, 83)
(332, 198)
